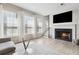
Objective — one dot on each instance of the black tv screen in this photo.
(63, 17)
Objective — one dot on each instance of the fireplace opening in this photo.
(63, 34)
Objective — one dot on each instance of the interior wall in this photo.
(20, 12)
(75, 17)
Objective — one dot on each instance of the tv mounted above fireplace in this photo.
(63, 17)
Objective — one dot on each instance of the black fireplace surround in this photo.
(63, 34)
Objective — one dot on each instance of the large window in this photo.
(39, 25)
(1, 24)
(29, 24)
(13, 25)
(10, 24)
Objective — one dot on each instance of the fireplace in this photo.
(63, 34)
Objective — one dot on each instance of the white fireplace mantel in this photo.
(69, 25)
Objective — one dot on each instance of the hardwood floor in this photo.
(46, 46)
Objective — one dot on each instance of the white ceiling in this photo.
(47, 8)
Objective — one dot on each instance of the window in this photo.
(29, 25)
(1, 24)
(39, 25)
(10, 24)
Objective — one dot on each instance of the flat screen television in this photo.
(63, 17)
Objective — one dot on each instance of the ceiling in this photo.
(47, 8)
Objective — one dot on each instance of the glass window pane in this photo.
(11, 23)
(29, 24)
(39, 24)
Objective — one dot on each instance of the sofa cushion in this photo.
(6, 47)
(4, 40)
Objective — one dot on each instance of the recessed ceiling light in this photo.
(61, 4)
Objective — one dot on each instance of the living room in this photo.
(39, 29)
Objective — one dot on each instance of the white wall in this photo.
(70, 25)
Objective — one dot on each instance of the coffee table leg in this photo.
(26, 46)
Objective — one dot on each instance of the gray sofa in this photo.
(7, 46)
